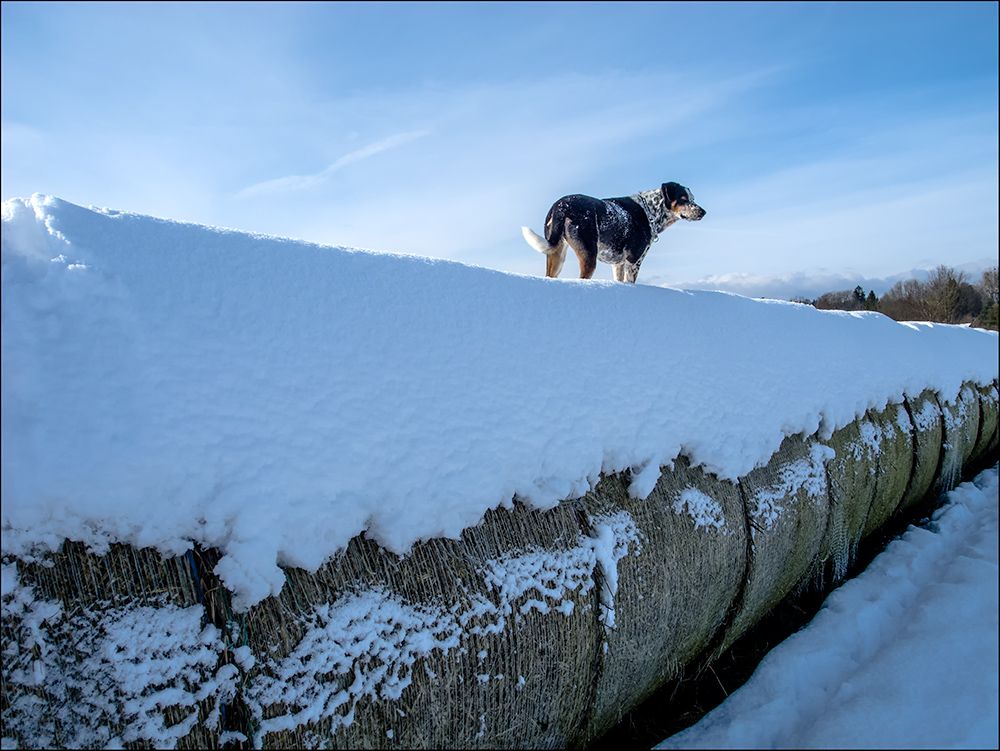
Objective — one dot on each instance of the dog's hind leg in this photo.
(555, 259)
(555, 253)
(582, 238)
(588, 264)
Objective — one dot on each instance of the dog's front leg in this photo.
(619, 269)
(630, 272)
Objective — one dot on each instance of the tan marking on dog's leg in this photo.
(619, 269)
(631, 272)
(554, 260)
(586, 270)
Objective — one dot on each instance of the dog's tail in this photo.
(537, 242)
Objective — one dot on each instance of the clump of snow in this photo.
(165, 384)
(903, 656)
(903, 422)
(927, 416)
(548, 574)
(615, 535)
(702, 508)
(371, 636)
(644, 481)
(124, 667)
(869, 443)
(807, 474)
(955, 413)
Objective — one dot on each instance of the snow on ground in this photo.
(164, 383)
(903, 656)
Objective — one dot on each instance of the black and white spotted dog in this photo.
(618, 231)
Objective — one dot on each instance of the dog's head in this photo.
(679, 200)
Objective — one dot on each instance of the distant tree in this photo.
(801, 300)
(942, 301)
(970, 303)
(943, 294)
(946, 297)
(844, 299)
(905, 301)
(989, 316)
(990, 312)
(988, 286)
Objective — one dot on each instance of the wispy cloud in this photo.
(307, 182)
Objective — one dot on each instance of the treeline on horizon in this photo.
(947, 296)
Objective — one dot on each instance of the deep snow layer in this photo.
(165, 383)
(903, 656)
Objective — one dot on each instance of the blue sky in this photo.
(830, 143)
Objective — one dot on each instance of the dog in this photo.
(618, 231)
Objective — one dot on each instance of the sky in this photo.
(830, 143)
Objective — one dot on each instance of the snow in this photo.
(166, 383)
(372, 634)
(376, 637)
(806, 474)
(162, 658)
(903, 656)
(704, 510)
(155, 657)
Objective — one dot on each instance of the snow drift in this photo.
(168, 383)
(285, 419)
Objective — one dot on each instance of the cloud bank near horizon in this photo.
(815, 282)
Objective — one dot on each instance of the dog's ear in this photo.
(673, 192)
